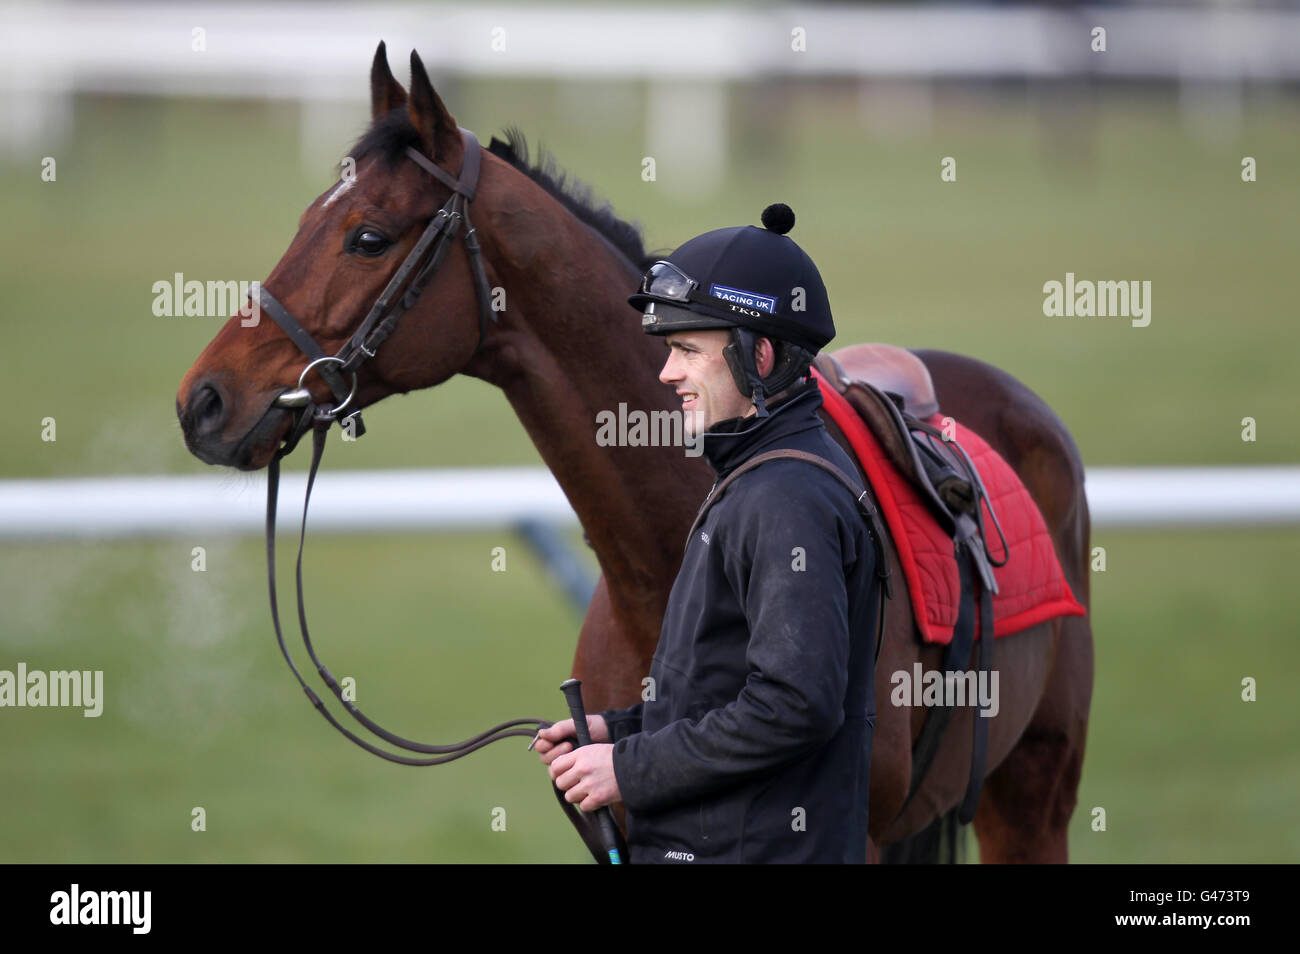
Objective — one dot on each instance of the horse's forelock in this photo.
(387, 138)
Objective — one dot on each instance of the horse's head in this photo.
(234, 404)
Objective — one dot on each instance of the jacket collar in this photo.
(730, 443)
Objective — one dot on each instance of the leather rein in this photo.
(414, 273)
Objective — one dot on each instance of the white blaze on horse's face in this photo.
(343, 186)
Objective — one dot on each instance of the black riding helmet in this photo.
(755, 282)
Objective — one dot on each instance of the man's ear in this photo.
(764, 356)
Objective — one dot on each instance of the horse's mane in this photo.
(389, 136)
(575, 196)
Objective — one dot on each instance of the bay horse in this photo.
(565, 346)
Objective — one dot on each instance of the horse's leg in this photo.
(1022, 662)
(1025, 808)
(1028, 799)
(1025, 811)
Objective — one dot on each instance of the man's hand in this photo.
(551, 744)
(586, 775)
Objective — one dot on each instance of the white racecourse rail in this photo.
(499, 498)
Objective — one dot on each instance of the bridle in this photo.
(423, 260)
(414, 273)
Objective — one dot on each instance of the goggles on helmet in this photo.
(665, 280)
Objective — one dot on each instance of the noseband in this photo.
(414, 273)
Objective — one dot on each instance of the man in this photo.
(754, 742)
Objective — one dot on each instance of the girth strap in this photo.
(956, 658)
(979, 756)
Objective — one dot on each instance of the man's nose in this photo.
(669, 374)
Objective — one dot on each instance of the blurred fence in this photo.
(318, 55)
(506, 498)
(295, 50)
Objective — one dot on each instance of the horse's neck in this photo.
(567, 348)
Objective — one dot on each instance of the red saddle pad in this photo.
(1032, 587)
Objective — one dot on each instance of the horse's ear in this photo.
(436, 126)
(386, 94)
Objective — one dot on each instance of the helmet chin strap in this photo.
(789, 366)
(744, 371)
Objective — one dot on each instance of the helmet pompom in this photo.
(779, 218)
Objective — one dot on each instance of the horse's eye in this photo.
(370, 242)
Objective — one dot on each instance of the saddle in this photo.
(892, 391)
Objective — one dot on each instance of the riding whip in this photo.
(572, 689)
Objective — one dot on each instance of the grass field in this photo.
(200, 709)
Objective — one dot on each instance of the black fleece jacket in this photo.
(755, 742)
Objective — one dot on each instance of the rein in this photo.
(418, 267)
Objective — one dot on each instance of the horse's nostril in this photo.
(207, 409)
